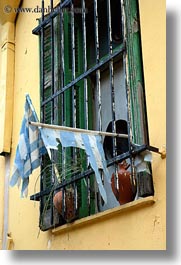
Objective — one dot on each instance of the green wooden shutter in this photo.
(48, 214)
(137, 92)
(45, 205)
(136, 79)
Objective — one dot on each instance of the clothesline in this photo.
(71, 129)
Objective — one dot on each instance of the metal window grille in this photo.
(91, 78)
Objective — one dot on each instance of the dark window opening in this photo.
(103, 33)
(122, 143)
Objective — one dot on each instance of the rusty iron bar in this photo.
(86, 116)
(62, 81)
(74, 93)
(98, 84)
(85, 63)
(112, 89)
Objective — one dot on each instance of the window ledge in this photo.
(108, 213)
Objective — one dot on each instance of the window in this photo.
(91, 78)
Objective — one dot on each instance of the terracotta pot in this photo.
(69, 202)
(57, 201)
(69, 214)
(125, 192)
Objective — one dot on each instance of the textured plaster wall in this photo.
(2, 174)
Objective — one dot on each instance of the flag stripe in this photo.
(29, 149)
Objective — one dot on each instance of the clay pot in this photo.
(69, 202)
(125, 192)
(57, 201)
(69, 214)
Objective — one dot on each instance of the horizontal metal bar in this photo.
(4, 154)
(87, 73)
(136, 150)
(154, 149)
(37, 196)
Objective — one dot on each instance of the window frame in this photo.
(130, 50)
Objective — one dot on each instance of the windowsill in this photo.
(108, 213)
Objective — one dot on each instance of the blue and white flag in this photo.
(29, 150)
(35, 141)
(92, 144)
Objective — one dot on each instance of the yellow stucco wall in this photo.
(2, 174)
(6, 84)
(154, 59)
(141, 227)
(6, 11)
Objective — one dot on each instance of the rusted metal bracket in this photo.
(156, 150)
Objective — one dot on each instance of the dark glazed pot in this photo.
(125, 192)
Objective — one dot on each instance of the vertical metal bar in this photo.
(74, 95)
(62, 69)
(111, 72)
(109, 26)
(63, 202)
(43, 94)
(52, 64)
(125, 65)
(52, 102)
(43, 10)
(132, 75)
(63, 121)
(62, 63)
(128, 92)
(42, 59)
(98, 85)
(85, 63)
(127, 87)
(111, 75)
(86, 116)
(75, 196)
(73, 64)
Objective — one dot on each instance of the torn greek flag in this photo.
(35, 141)
(29, 150)
(92, 144)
